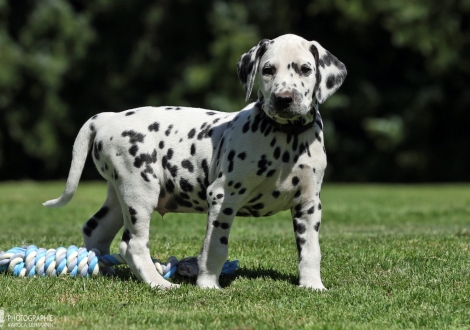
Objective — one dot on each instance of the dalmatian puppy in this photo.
(264, 159)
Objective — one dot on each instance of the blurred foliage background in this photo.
(402, 114)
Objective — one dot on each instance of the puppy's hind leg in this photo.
(100, 230)
(138, 203)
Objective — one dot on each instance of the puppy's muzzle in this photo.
(286, 104)
(282, 101)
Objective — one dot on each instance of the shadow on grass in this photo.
(124, 274)
(258, 273)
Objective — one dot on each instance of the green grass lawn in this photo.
(394, 257)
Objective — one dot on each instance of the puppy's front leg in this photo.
(307, 219)
(215, 248)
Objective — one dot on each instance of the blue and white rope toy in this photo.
(73, 261)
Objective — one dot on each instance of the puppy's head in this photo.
(294, 74)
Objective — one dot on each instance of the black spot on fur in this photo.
(191, 133)
(276, 193)
(144, 176)
(273, 142)
(311, 210)
(87, 231)
(317, 226)
(133, 150)
(173, 170)
(185, 185)
(224, 225)
(224, 240)
(101, 213)
(92, 223)
(299, 228)
(168, 131)
(256, 122)
(187, 165)
(255, 199)
(285, 156)
(242, 191)
(237, 185)
(299, 242)
(129, 113)
(258, 206)
(219, 196)
(242, 155)
(145, 158)
(319, 206)
(230, 157)
(330, 81)
(169, 153)
(246, 127)
(277, 152)
(263, 164)
(205, 133)
(134, 137)
(216, 223)
(270, 173)
(295, 180)
(193, 149)
(97, 147)
(227, 211)
(318, 136)
(161, 145)
(154, 127)
(126, 236)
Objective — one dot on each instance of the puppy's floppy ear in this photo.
(330, 72)
(247, 65)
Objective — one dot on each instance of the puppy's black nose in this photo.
(283, 101)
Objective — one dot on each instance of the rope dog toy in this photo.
(73, 261)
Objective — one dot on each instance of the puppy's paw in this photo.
(208, 284)
(316, 286)
(164, 286)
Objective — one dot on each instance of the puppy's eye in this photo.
(268, 70)
(305, 70)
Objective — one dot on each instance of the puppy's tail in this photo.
(82, 145)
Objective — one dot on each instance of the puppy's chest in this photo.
(267, 174)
